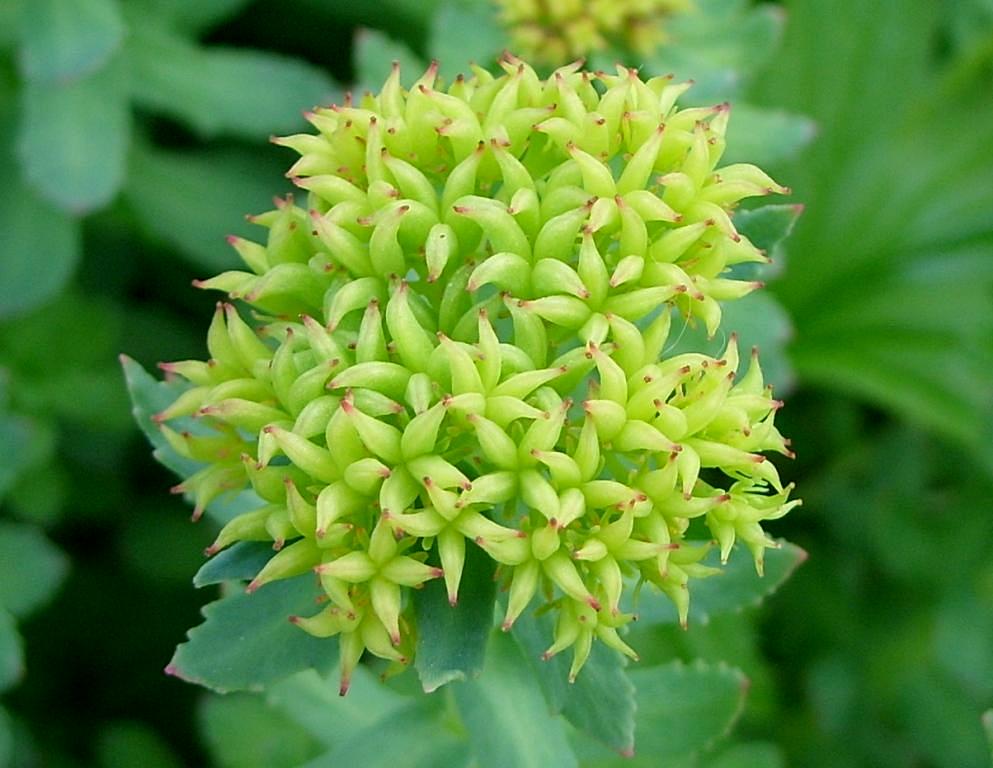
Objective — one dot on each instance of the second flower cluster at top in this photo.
(461, 342)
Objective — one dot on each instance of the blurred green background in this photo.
(133, 138)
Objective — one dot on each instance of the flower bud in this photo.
(427, 319)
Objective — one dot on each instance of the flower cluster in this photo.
(461, 343)
(560, 30)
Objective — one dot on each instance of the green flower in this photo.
(461, 341)
(551, 32)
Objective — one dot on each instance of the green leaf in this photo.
(903, 196)
(683, 709)
(403, 19)
(19, 445)
(988, 728)
(63, 40)
(31, 568)
(507, 717)
(753, 754)
(150, 396)
(241, 731)
(6, 738)
(600, 703)
(190, 16)
(223, 91)
(158, 545)
(962, 631)
(767, 226)
(765, 136)
(239, 562)
(416, 736)
(128, 745)
(193, 200)
(74, 138)
(461, 33)
(10, 15)
(451, 640)
(11, 653)
(314, 703)
(719, 44)
(30, 226)
(734, 589)
(375, 53)
(247, 642)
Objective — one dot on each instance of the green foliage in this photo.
(735, 589)
(242, 732)
(506, 716)
(74, 137)
(452, 642)
(11, 652)
(682, 710)
(129, 743)
(158, 191)
(31, 568)
(204, 87)
(907, 245)
(877, 652)
(246, 642)
(601, 702)
(28, 226)
(64, 40)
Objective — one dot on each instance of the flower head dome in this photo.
(461, 342)
(553, 31)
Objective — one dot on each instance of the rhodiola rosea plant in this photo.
(442, 399)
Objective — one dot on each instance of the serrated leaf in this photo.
(246, 93)
(11, 652)
(451, 640)
(375, 53)
(767, 226)
(150, 396)
(164, 190)
(765, 136)
(246, 642)
(601, 703)
(314, 703)
(132, 744)
(507, 717)
(29, 226)
(461, 33)
(416, 736)
(64, 40)
(683, 709)
(736, 588)
(239, 562)
(31, 568)
(241, 731)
